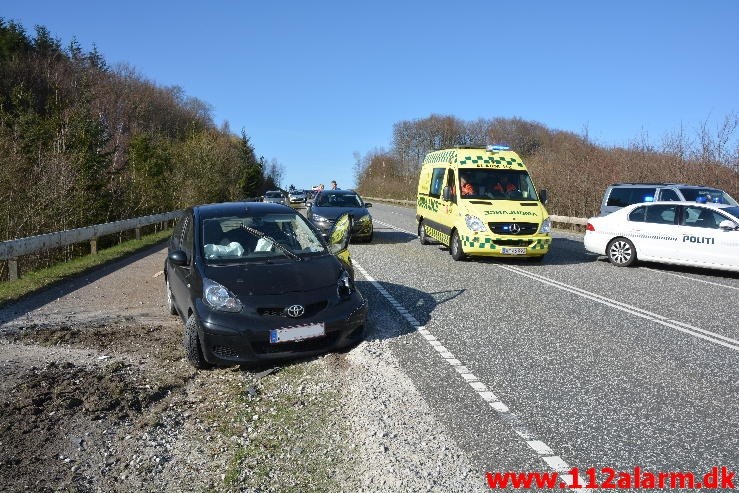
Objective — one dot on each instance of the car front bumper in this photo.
(236, 338)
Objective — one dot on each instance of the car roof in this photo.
(658, 184)
(711, 205)
(241, 209)
(340, 192)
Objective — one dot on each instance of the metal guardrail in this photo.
(580, 221)
(12, 249)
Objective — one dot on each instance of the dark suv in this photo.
(620, 195)
(256, 282)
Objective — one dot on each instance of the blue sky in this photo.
(313, 83)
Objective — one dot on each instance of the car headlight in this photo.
(546, 226)
(474, 223)
(364, 219)
(218, 297)
(319, 219)
(345, 285)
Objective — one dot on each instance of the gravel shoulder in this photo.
(95, 396)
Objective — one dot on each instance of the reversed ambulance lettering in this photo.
(511, 213)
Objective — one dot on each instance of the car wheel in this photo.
(170, 300)
(455, 247)
(193, 349)
(621, 252)
(422, 234)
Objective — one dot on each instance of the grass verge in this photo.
(292, 437)
(36, 280)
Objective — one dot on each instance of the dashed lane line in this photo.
(553, 461)
(704, 334)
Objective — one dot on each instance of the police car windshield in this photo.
(707, 195)
(496, 184)
(734, 211)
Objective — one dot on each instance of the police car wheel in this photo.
(422, 234)
(455, 247)
(621, 252)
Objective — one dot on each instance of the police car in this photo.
(681, 233)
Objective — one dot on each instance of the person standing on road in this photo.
(333, 185)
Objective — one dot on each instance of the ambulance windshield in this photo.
(496, 184)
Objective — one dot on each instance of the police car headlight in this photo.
(364, 219)
(474, 223)
(546, 226)
(218, 297)
(319, 219)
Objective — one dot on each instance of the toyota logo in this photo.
(295, 311)
(515, 228)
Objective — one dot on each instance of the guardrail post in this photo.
(12, 269)
(94, 246)
(138, 233)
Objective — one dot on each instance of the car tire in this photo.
(193, 349)
(422, 237)
(455, 247)
(621, 252)
(170, 299)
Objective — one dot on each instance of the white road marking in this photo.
(633, 310)
(673, 324)
(693, 279)
(546, 453)
(395, 228)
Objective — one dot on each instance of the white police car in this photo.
(682, 233)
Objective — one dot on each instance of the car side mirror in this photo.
(178, 257)
(543, 195)
(446, 194)
(728, 225)
(368, 204)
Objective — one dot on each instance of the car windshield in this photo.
(734, 211)
(237, 239)
(338, 200)
(496, 184)
(707, 195)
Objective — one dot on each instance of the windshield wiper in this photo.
(279, 246)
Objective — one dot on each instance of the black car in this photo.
(256, 282)
(329, 205)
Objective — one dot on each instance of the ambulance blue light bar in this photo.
(496, 148)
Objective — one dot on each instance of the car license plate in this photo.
(297, 333)
(514, 251)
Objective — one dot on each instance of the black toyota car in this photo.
(256, 282)
(329, 205)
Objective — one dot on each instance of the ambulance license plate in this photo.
(297, 333)
(514, 250)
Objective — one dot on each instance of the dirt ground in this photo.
(95, 396)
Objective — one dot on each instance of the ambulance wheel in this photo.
(455, 247)
(621, 252)
(422, 234)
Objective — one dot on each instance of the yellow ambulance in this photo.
(481, 201)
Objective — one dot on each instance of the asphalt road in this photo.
(569, 363)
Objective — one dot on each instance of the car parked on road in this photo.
(256, 282)
(297, 197)
(680, 233)
(620, 195)
(329, 205)
(275, 197)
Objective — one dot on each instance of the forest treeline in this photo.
(83, 143)
(574, 170)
